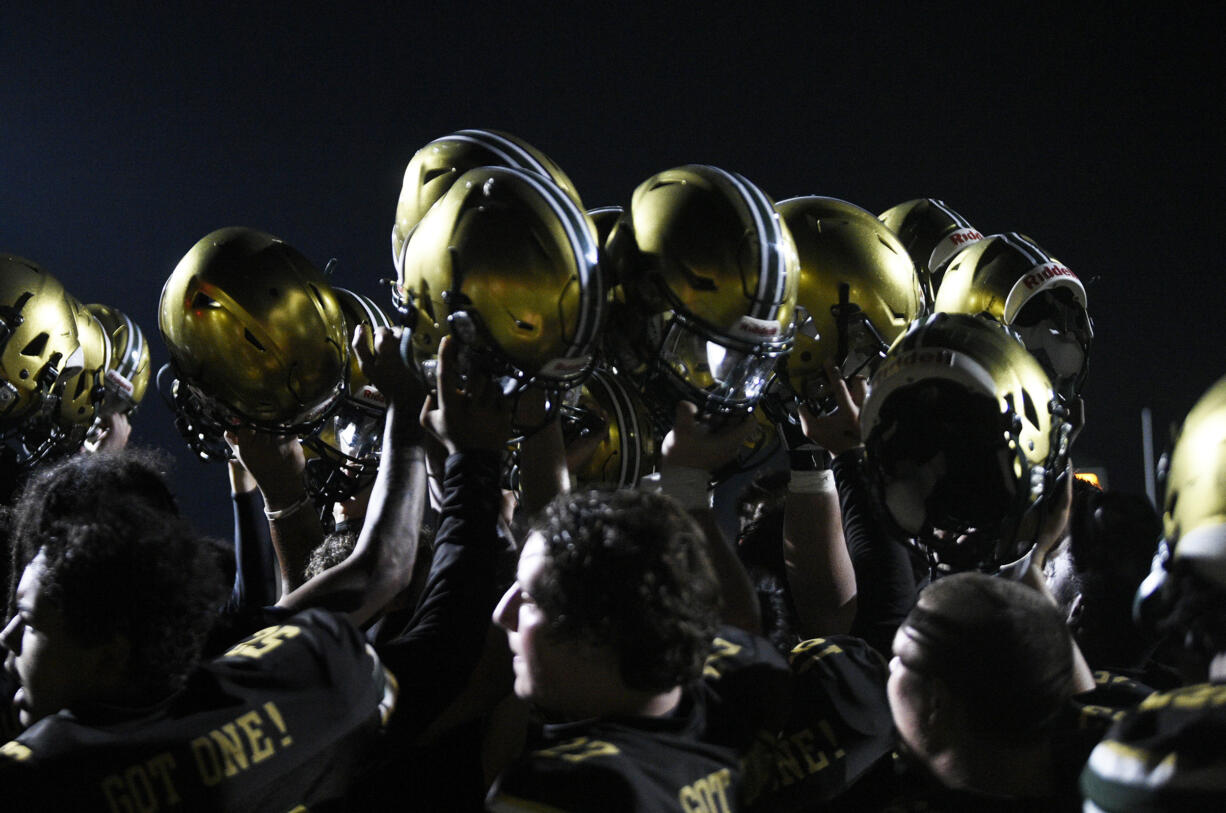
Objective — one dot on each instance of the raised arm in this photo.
(819, 570)
(382, 561)
(443, 641)
(689, 454)
(883, 581)
(276, 463)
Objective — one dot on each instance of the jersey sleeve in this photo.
(1168, 754)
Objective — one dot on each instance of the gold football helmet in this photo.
(965, 441)
(507, 262)
(436, 166)
(631, 449)
(346, 449)
(39, 353)
(858, 291)
(127, 371)
(709, 272)
(1013, 280)
(256, 338)
(85, 390)
(932, 234)
(1194, 510)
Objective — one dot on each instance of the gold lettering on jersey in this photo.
(1195, 697)
(579, 749)
(707, 795)
(264, 641)
(1091, 713)
(720, 650)
(142, 788)
(824, 648)
(782, 760)
(237, 745)
(15, 751)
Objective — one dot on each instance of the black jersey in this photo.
(688, 760)
(899, 784)
(839, 727)
(281, 720)
(1169, 754)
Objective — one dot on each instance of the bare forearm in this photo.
(740, 599)
(819, 569)
(542, 465)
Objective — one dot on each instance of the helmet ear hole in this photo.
(1032, 414)
(202, 301)
(35, 346)
(250, 337)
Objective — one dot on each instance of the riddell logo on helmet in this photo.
(119, 381)
(370, 395)
(1042, 274)
(936, 357)
(965, 236)
(752, 329)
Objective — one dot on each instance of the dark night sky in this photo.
(125, 137)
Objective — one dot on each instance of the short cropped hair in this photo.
(629, 569)
(120, 560)
(1000, 646)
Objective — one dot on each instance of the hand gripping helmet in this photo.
(932, 234)
(127, 371)
(256, 338)
(631, 449)
(436, 166)
(346, 450)
(1011, 279)
(39, 351)
(85, 390)
(508, 263)
(858, 291)
(965, 442)
(709, 272)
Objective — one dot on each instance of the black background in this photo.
(126, 136)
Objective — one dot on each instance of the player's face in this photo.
(54, 669)
(547, 671)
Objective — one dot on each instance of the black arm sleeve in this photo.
(885, 581)
(433, 657)
(255, 582)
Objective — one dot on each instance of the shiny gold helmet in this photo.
(709, 272)
(256, 338)
(858, 291)
(346, 449)
(1011, 279)
(436, 166)
(39, 352)
(630, 448)
(965, 441)
(932, 234)
(508, 263)
(1194, 510)
(85, 390)
(127, 371)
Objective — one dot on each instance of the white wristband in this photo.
(292, 508)
(686, 485)
(812, 482)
